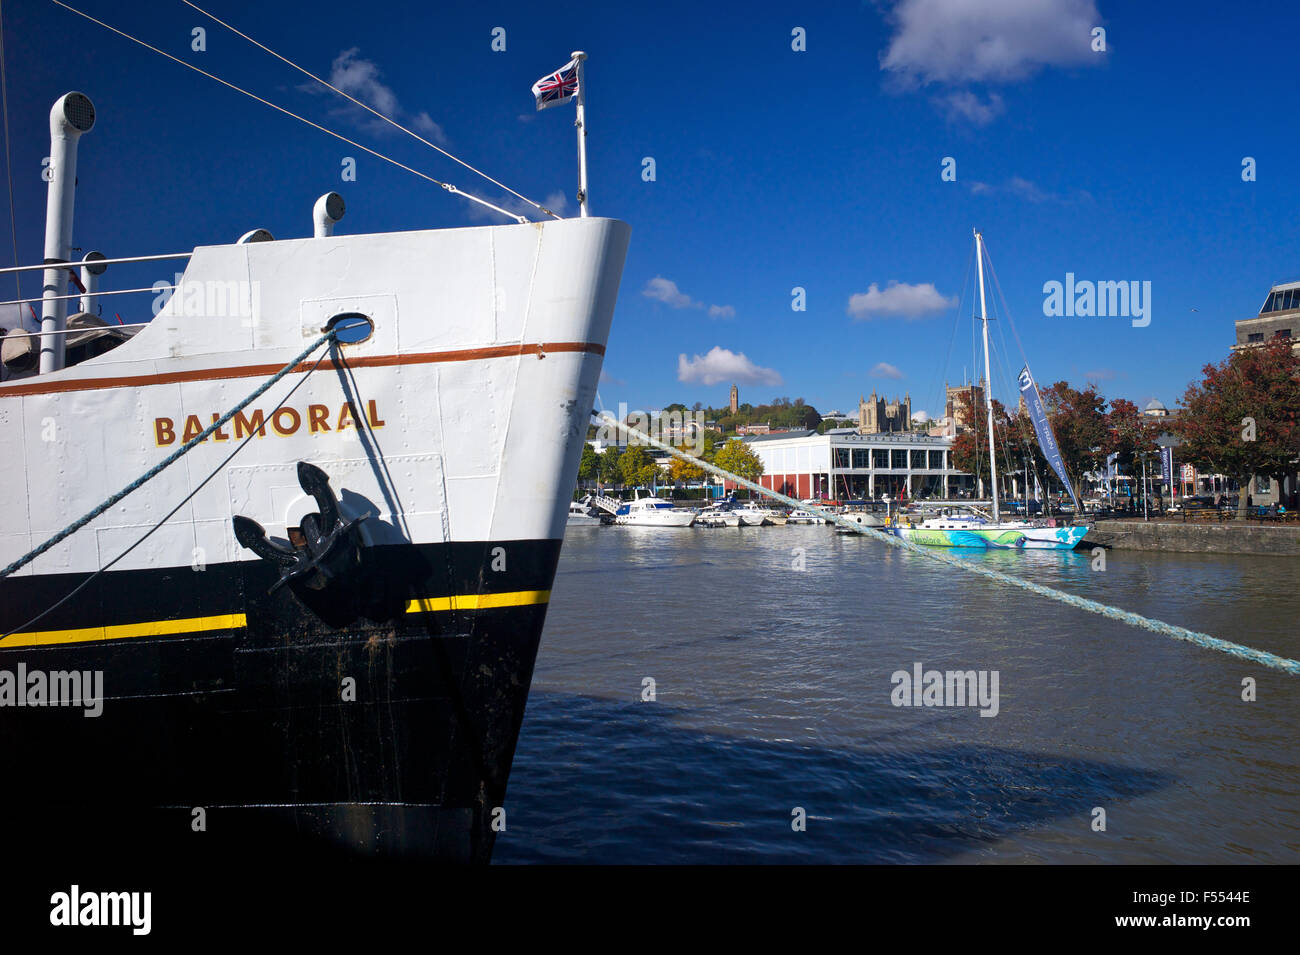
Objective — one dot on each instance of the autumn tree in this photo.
(970, 449)
(1131, 432)
(1078, 420)
(1241, 418)
(685, 471)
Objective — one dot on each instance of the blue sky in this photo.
(775, 168)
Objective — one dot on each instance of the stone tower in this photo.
(878, 416)
(955, 409)
(735, 399)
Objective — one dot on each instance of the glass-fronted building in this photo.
(845, 465)
(1278, 318)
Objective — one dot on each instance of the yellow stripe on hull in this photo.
(125, 631)
(236, 621)
(518, 598)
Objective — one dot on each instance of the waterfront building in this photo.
(1279, 317)
(846, 465)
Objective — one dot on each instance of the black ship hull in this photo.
(377, 717)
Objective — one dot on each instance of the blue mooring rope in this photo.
(167, 461)
(1262, 657)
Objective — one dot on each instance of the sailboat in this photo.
(976, 529)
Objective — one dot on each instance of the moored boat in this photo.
(583, 514)
(652, 512)
(801, 516)
(972, 528)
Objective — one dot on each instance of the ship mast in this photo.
(988, 377)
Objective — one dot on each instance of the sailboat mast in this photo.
(988, 376)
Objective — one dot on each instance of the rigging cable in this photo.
(9, 169)
(1023, 355)
(998, 286)
(378, 155)
(1005, 369)
(368, 108)
(952, 335)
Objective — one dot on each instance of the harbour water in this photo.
(773, 692)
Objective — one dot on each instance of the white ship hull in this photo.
(474, 390)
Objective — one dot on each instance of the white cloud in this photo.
(666, 291)
(360, 79)
(1101, 374)
(987, 41)
(920, 417)
(722, 365)
(424, 123)
(965, 106)
(1028, 190)
(899, 299)
(1031, 192)
(884, 369)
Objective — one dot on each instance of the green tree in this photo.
(632, 465)
(590, 464)
(738, 458)
(1241, 418)
(610, 471)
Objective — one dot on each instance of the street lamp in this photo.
(1146, 491)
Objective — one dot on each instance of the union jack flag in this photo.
(560, 87)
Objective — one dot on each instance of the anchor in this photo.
(329, 548)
